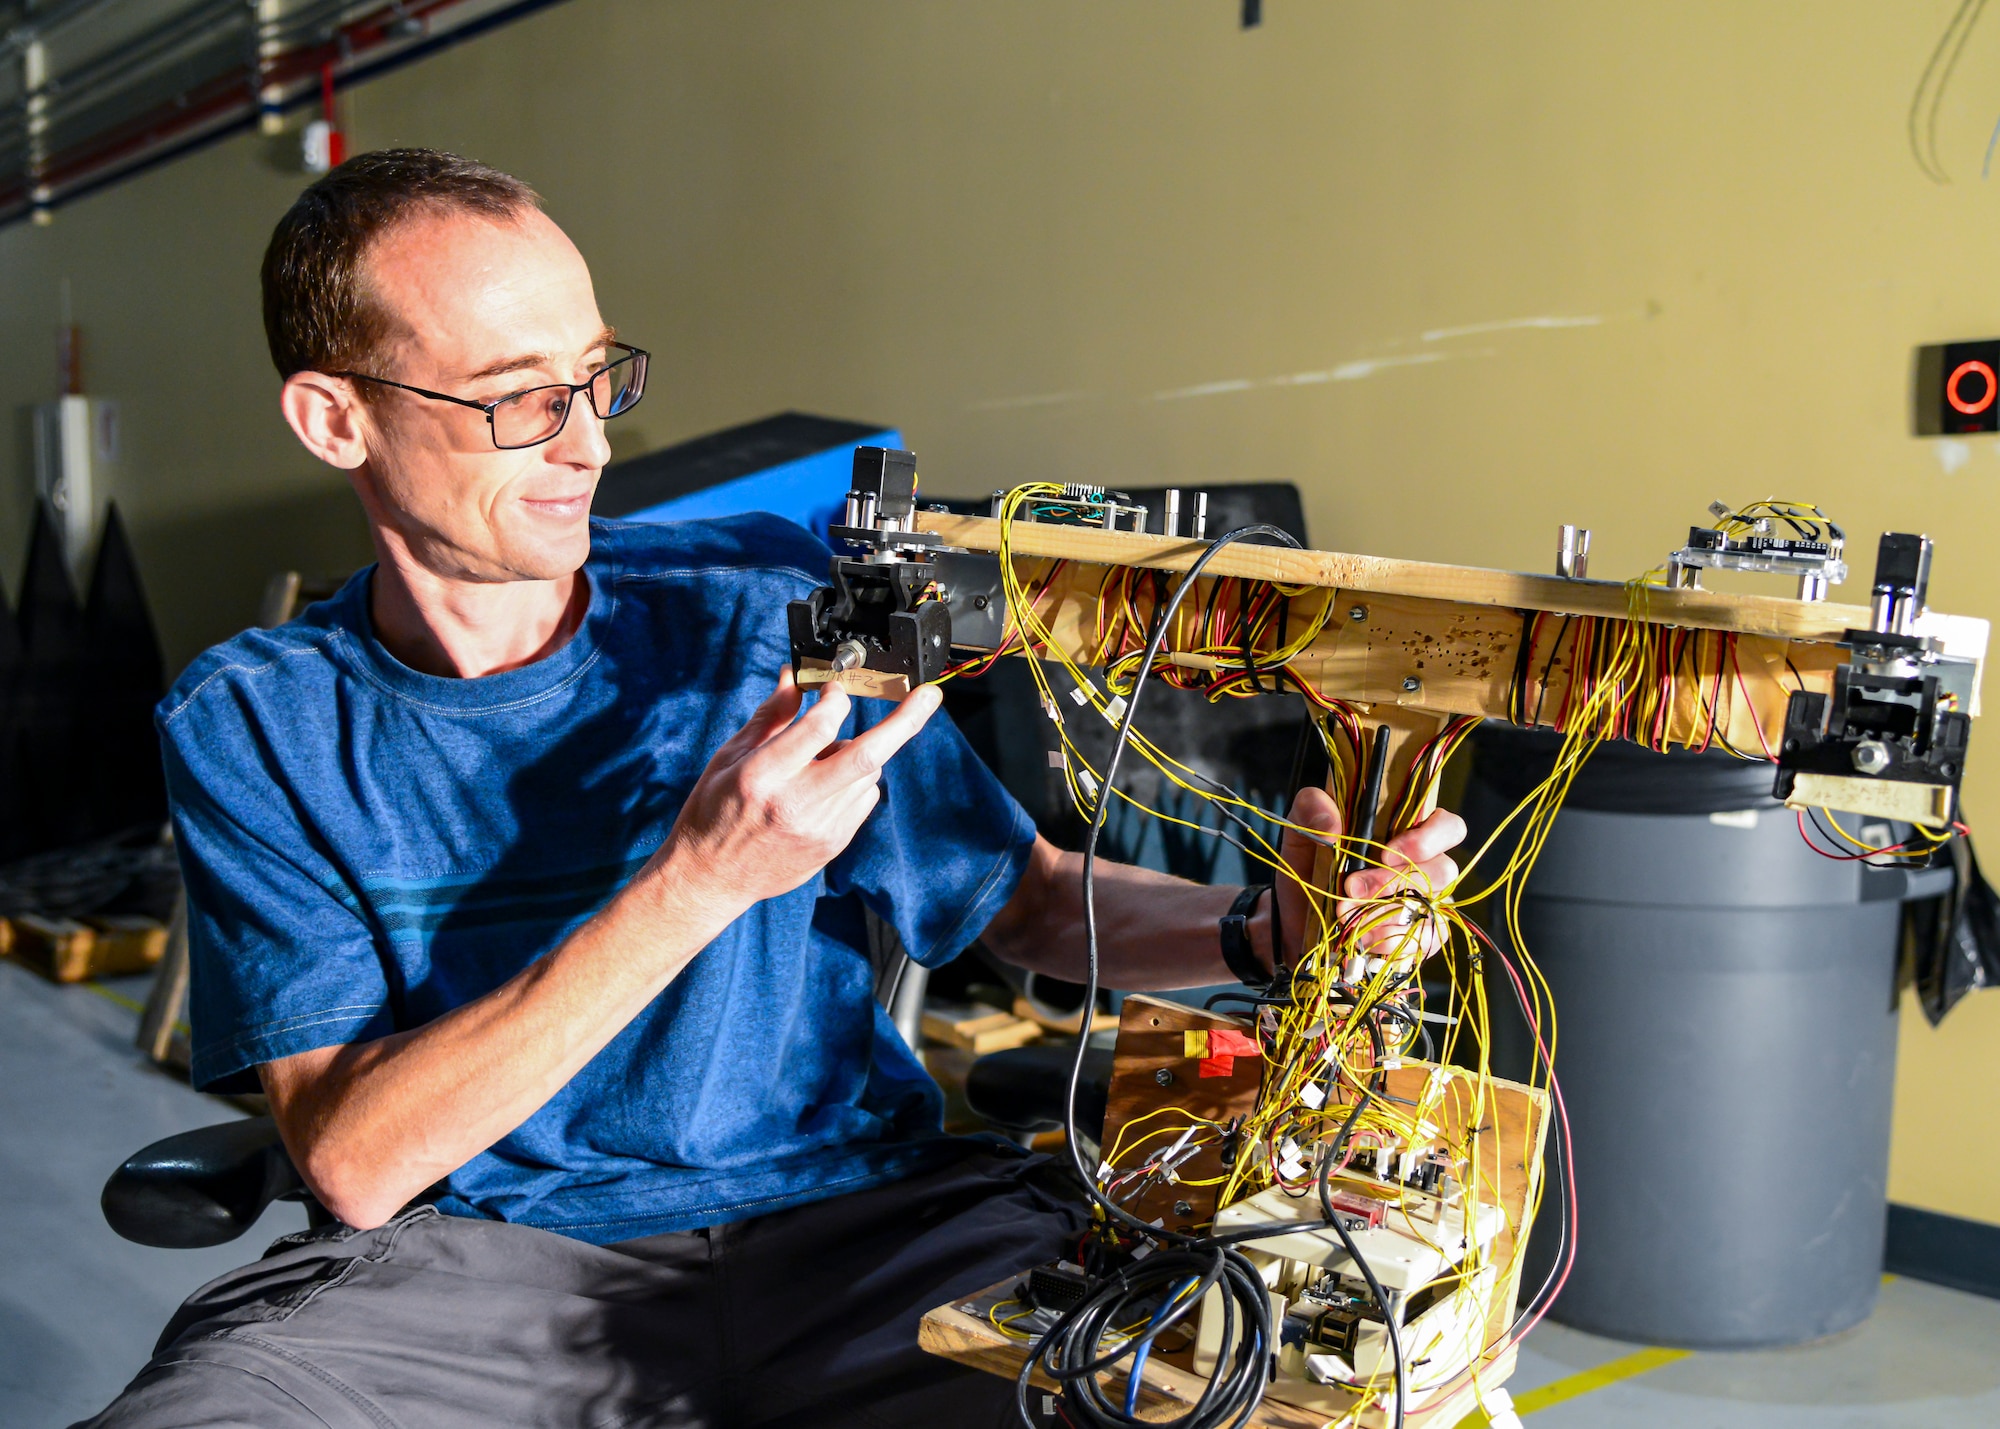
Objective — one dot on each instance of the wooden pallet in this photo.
(977, 1029)
(72, 950)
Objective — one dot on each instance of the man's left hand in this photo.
(1415, 858)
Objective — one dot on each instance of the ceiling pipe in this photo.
(277, 73)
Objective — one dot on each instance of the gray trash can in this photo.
(1726, 1006)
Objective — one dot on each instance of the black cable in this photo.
(1371, 803)
(1535, 722)
(1524, 655)
(1177, 1244)
(1325, 1183)
(1249, 648)
(1068, 1352)
(1162, 619)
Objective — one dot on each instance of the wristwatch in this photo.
(1235, 925)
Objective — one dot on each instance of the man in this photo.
(538, 913)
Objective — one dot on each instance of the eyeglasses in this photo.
(527, 419)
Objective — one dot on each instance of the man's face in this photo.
(482, 310)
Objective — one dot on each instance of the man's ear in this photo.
(326, 415)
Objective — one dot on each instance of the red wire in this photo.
(1902, 847)
(1737, 665)
(1569, 1157)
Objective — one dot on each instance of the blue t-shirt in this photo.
(367, 847)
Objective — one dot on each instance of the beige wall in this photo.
(1462, 271)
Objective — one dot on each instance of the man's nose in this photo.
(581, 441)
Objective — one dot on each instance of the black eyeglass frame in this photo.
(638, 355)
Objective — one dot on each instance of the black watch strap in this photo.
(1236, 950)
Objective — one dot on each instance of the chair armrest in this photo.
(1023, 1088)
(201, 1187)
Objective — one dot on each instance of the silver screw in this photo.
(1412, 683)
(1360, 612)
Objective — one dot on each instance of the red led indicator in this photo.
(1957, 399)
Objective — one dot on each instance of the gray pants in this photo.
(803, 1317)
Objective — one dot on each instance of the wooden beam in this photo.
(1460, 585)
(1409, 654)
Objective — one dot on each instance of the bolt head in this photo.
(1871, 756)
(1360, 612)
(980, 602)
(1164, 1076)
(1412, 683)
(1183, 1208)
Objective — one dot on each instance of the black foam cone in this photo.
(49, 697)
(123, 782)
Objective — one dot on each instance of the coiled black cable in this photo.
(1072, 1352)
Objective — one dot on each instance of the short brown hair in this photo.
(318, 315)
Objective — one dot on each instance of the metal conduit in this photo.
(74, 116)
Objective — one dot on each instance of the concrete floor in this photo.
(79, 1308)
(1929, 1357)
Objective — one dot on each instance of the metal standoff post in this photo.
(1573, 552)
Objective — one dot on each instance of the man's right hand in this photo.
(783, 796)
(370, 1124)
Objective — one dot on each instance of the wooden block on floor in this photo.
(977, 1028)
(66, 950)
(57, 948)
(126, 944)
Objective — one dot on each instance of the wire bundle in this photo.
(1351, 1009)
(1349, 1006)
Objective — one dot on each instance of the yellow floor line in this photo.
(128, 1003)
(1590, 1380)
(112, 995)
